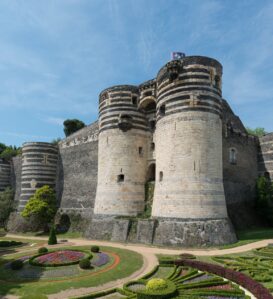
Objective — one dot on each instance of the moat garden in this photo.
(78, 268)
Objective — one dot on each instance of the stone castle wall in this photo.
(77, 171)
(265, 156)
(5, 174)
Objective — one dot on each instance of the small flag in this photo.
(177, 55)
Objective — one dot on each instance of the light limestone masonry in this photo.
(119, 155)
(189, 154)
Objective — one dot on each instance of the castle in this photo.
(175, 132)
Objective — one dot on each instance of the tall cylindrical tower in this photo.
(4, 174)
(123, 135)
(39, 167)
(189, 182)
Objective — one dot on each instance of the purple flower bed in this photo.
(102, 259)
(59, 257)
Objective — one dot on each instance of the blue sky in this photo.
(56, 56)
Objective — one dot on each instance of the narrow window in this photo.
(134, 100)
(120, 178)
(140, 151)
(232, 156)
(152, 146)
(161, 176)
(162, 110)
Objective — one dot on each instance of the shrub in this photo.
(9, 243)
(52, 240)
(85, 264)
(34, 296)
(156, 284)
(42, 250)
(16, 265)
(95, 248)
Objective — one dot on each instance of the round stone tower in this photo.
(39, 167)
(189, 176)
(123, 141)
(4, 174)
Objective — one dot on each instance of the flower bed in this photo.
(241, 279)
(102, 259)
(59, 258)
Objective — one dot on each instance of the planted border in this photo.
(34, 263)
(241, 279)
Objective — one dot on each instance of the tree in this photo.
(41, 206)
(52, 240)
(6, 205)
(259, 132)
(264, 199)
(56, 140)
(72, 125)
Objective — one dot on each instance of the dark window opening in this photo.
(148, 93)
(232, 156)
(162, 110)
(120, 178)
(151, 173)
(134, 100)
(160, 176)
(173, 76)
(217, 81)
(152, 146)
(140, 151)
(125, 122)
(152, 124)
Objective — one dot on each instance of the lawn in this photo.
(129, 263)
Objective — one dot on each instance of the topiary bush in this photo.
(95, 249)
(16, 265)
(156, 284)
(85, 264)
(42, 250)
(52, 240)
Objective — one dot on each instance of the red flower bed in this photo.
(58, 258)
(241, 279)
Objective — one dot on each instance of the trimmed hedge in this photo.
(10, 243)
(42, 250)
(33, 263)
(169, 292)
(85, 264)
(258, 290)
(95, 249)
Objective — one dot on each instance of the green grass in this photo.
(130, 262)
(250, 236)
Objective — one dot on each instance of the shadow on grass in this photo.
(12, 280)
(255, 234)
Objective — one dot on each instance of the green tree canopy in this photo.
(264, 200)
(42, 205)
(72, 125)
(259, 132)
(6, 205)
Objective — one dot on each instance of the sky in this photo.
(57, 56)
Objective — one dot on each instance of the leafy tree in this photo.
(2, 147)
(56, 140)
(41, 206)
(52, 240)
(6, 205)
(259, 132)
(72, 125)
(264, 201)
